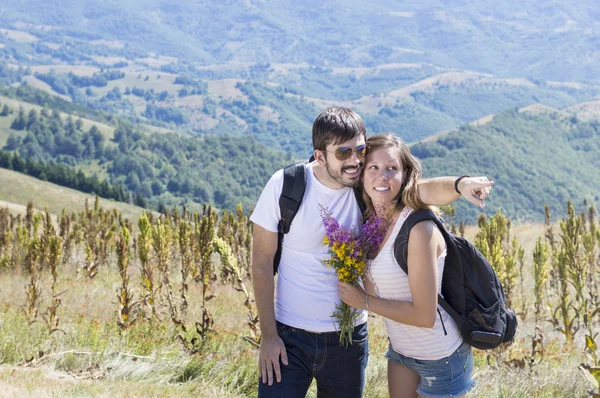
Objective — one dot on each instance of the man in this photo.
(299, 338)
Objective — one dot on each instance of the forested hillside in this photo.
(534, 159)
(159, 168)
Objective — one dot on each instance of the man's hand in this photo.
(475, 189)
(271, 348)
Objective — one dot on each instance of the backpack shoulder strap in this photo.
(401, 247)
(359, 199)
(401, 242)
(294, 185)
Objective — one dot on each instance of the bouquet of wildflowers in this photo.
(349, 260)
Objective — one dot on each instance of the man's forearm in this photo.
(264, 287)
(438, 191)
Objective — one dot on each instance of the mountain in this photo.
(267, 69)
(512, 38)
(202, 101)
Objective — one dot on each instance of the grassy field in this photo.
(37, 83)
(19, 189)
(92, 356)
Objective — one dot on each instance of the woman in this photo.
(426, 355)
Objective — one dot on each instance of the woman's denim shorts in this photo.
(446, 377)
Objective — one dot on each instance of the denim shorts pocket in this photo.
(431, 362)
(283, 329)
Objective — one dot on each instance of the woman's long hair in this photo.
(409, 194)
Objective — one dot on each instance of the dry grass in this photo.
(226, 368)
(586, 111)
(556, 376)
(44, 28)
(81, 70)
(455, 79)
(372, 103)
(226, 89)
(42, 382)
(18, 36)
(482, 121)
(536, 109)
(136, 77)
(156, 62)
(54, 46)
(19, 188)
(109, 60)
(360, 72)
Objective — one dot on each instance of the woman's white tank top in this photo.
(391, 283)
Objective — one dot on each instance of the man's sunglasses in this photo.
(344, 153)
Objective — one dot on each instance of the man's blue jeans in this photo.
(339, 371)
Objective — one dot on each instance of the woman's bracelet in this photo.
(457, 181)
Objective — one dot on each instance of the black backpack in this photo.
(292, 193)
(473, 294)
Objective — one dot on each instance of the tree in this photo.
(32, 118)
(18, 164)
(20, 121)
(13, 142)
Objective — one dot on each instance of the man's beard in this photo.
(338, 175)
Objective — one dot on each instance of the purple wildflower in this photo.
(334, 231)
(373, 232)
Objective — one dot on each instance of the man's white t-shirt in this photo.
(307, 290)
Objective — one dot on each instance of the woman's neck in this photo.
(388, 211)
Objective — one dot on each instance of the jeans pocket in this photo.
(360, 334)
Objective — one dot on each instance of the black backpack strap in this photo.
(294, 185)
(401, 247)
(359, 199)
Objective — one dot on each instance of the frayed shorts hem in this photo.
(446, 377)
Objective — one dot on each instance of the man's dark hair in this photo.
(336, 125)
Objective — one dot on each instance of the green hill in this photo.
(202, 101)
(17, 189)
(534, 158)
(166, 169)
